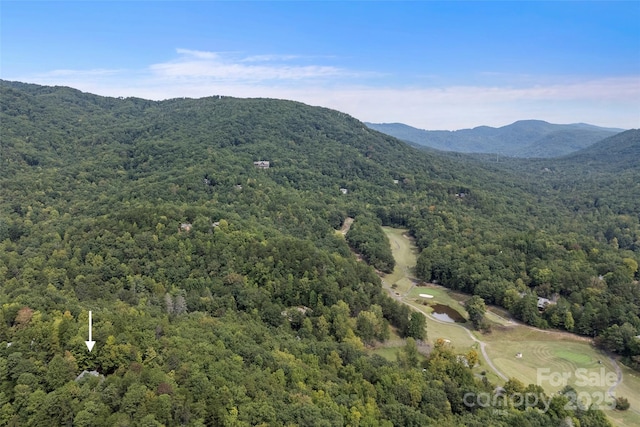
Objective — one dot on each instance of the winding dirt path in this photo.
(612, 389)
(346, 225)
(482, 344)
(396, 247)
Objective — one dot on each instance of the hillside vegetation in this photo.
(220, 291)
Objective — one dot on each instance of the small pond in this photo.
(445, 313)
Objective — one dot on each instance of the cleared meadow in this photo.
(551, 359)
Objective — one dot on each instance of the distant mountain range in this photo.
(524, 138)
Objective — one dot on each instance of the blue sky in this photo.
(433, 65)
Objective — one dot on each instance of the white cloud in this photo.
(218, 66)
(98, 72)
(603, 101)
(267, 58)
(606, 102)
(198, 53)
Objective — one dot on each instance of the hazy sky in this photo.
(433, 65)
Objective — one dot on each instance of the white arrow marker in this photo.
(90, 343)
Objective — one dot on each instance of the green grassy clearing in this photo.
(389, 353)
(556, 351)
(629, 388)
(455, 333)
(497, 319)
(546, 355)
(390, 348)
(576, 358)
(440, 296)
(406, 256)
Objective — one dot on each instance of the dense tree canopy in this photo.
(366, 237)
(221, 293)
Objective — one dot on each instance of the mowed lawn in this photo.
(555, 359)
(453, 332)
(629, 388)
(544, 358)
(440, 296)
(406, 256)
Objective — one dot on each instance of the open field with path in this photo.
(549, 358)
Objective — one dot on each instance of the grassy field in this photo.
(551, 359)
(498, 317)
(630, 388)
(454, 332)
(542, 352)
(555, 359)
(406, 256)
(440, 296)
(390, 348)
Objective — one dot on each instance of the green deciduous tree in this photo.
(417, 326)
(476, 308)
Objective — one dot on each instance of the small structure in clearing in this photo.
(518, 355)
(426, 296)
(261, 164)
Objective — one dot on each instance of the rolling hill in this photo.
(605, 174)
(525, 138)
(616, 153)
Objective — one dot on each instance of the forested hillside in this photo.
(221, 293)
(584, 256)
